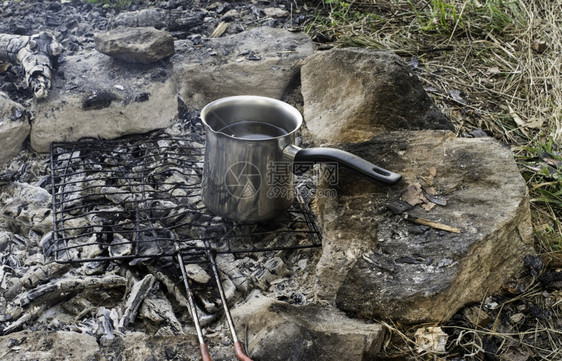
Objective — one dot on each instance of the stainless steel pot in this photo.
(250, 156)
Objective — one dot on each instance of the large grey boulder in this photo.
(376, 264)
(261, 61)
(278, 331)
(352, 94)
(14, 128)
(136, 45)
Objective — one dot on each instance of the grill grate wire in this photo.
(139, 197)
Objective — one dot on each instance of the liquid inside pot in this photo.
(252, 130)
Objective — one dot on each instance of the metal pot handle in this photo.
(344, 158)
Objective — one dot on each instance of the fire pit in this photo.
(136, 201)
(140, 198)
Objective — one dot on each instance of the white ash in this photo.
(102, 297)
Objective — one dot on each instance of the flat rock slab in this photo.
(78, 346)
(278, 331)
(261, 61)
(353, 94)
(378, 265)
(46, 346)
(95, 95)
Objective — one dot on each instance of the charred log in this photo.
(57, 290)
(36, 54)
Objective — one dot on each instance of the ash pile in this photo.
(97, 236)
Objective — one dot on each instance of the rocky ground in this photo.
(519, 323)
(74, 23)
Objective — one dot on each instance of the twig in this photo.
(432, 224)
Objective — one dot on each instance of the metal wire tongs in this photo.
(205, 355)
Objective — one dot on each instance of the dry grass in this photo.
(489, 64)
(510, 336)
(494, 65)
(511, 90)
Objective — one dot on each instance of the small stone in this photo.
(170, 353)
(98, 100)
(135, 45)
(398, 207)
(230, 14)
(491, 305)
(253, 57)
(478, 133)
(534, 264)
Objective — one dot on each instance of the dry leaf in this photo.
(456, 95)
(432, 174)
(428, 206)
(431, 339)
(516, 117)
(520, 123)
(429, 190)
(535, 123)
(413, 195)
(432, 171)
(539, 46)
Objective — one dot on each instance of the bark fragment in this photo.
(35, 54)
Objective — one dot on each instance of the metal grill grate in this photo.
(139, 197)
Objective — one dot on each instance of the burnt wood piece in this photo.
(36, 54)
(139, 292)
(35, 276)
(32, 303)
(59, 289)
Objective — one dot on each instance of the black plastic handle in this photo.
(348, 160)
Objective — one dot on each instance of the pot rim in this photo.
(251, 99)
